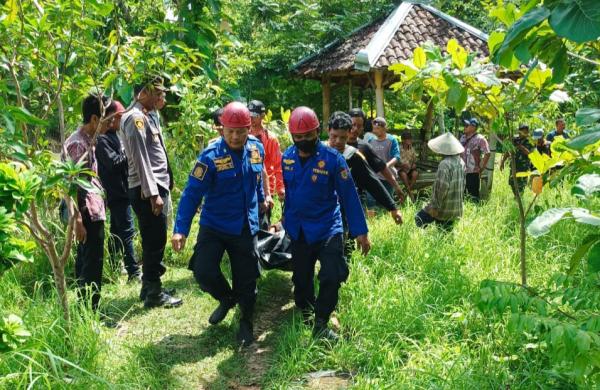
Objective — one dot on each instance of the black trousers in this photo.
(206, 265)
(153, 230)
(472, 184)
(424, 219)
(334, 271)
(89, 261)
(122, 232)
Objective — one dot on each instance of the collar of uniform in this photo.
(140, 107)
(224, 148)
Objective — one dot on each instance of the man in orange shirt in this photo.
(272, 160)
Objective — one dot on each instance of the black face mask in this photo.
(308, 146)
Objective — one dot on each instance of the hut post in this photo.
(379, 92)
(350, 93)
(326, 87)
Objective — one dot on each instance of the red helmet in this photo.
(235, 115)
(303, 120)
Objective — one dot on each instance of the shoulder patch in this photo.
(344, 174)
(255, 157)
(139, 123)
(288, 161)
(199, 170)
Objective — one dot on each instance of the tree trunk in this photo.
(426, 129)
(522, 232)
(61, 287)
(61, 120)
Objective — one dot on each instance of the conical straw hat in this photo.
(446, 144)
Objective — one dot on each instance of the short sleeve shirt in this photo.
(475, 146)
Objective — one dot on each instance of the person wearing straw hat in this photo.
(446, 203)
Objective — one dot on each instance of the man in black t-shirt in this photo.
(355, 134)
(364, 177)
(112, 169)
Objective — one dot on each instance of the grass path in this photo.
(177, 348)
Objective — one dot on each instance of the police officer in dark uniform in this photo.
(317, 181)
(228, 176)
(150, 180)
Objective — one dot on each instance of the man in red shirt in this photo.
(272, 160)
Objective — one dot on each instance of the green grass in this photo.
(407, 316)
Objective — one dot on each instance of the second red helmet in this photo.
(235, 115)
(302, 120)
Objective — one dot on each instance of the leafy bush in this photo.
(12, 333)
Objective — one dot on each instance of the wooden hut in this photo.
(361, 60)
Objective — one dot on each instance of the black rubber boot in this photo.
(144, 291)
(155, 297)
(322, 331)
(221, 311)
(245, 335)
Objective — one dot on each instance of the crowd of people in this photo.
(525, 143)
(325, 188)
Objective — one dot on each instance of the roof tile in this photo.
(419, 26)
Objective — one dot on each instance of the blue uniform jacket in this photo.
(231, 188)
(314, 192)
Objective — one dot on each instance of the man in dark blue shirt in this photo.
(112, 169)
(228, 176)
(317, 184)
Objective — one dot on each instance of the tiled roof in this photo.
(419, 26)
(340, 55)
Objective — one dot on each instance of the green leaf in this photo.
(542, 223)
(103, 8)
(560, 65)
(587, 116)
(519, 29)
(13, 11)
(577, 20)
(585, 216)
(495, 39)
(594, 258)
(538, 77)
(583, 341)
(586, 185)
(589, 137)
(457, 97)
(585, 246)
(22, 115)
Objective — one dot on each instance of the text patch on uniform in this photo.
(223, 163)
(199, 170)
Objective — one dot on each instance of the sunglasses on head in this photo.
(377, 123)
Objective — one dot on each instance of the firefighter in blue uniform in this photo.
(227, 176)
(317, 181)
